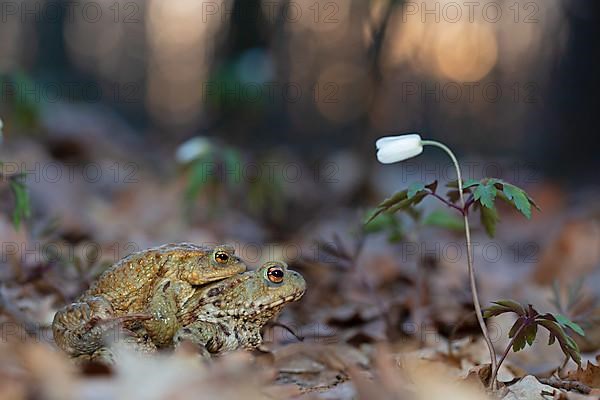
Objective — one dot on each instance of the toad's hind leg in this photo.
(76, 327)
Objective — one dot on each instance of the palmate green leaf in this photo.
(504, 306)
(387, 203)
(470, 183)
(518, 198)
(522, 333)
(489, 219)
(443, 219)
(557, 333)
(404, 199)
(395, 198)
(466, 184)
(516, 326)
(415, 188)
(567, 323)
(406, 203)
(485, 193)
(512, 306)
(519, 343)
(530, 332)
(494, 311)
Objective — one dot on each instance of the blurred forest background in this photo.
(501, 78)
(317, 81)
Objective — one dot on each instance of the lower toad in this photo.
(229, 314)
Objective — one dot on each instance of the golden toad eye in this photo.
(275, 274)
(221, 257)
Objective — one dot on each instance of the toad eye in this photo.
(221, 257)
(275, 274)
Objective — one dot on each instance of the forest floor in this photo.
(380, 319)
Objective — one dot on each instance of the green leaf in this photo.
(442, 219)
(504, 306)
(567, 344)
(493, 311)
(395, 198)
(419, 197)
(381, 222)
(530, 332)
(414, 188)
(489, 219)
(404, 199)
(566, 322)
(22, 208)
(486, 193)
(466, 184)
(470, 183)
(516, 326)
(518, 198)
(512, 306)
(532, 202)
(406, 203)
(519, 342)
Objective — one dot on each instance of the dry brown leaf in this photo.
(50, 371)
(588, 375)
(577, 246)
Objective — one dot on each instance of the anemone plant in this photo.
(462, 197)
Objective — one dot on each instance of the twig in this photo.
(566, 385)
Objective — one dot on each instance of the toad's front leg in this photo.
(210, 338)
(163, 307)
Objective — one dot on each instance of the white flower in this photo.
(392, 149)
(192, 149)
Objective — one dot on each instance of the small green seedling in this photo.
(524, 330)
(18, 188)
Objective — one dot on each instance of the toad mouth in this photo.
(258, 308)
(288, 299)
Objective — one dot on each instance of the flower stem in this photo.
(506, 351)
(471, 270)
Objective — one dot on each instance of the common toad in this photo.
(148, 287)
(230, 314)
